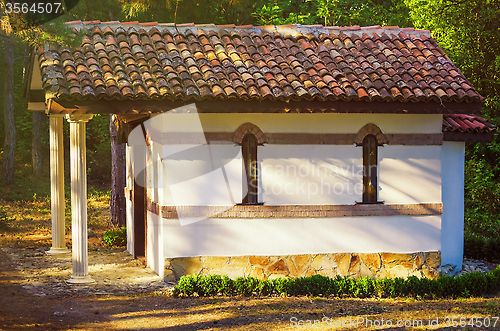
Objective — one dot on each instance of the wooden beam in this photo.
(229, 106)
(468, 137)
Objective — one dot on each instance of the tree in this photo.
(36, 122)
(286, 12)
(15, 27)
(185, 11)
(468, 31)
(9, 146)
(117, 204)
(333, 12)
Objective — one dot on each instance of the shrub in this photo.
(366, 287)
(473, 284)
(186, 286)
(265, 287)
(282, 285)
(116, 237)
(245, 285)
(5, 219)
(482, 248)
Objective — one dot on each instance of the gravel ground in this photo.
(114, 270)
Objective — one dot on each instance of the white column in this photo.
(452, 220)
(57, 203)
(78, 165)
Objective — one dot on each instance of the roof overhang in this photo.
(229, 106)
(469, 137)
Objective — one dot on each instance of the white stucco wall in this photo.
(409, 174)
(233, 237)
(452, 235)
(129, 205)
(294, 174)
(300, 174)
(311, 174)
(307, 123)
(305, 174)
(155, 244)
(188, 177)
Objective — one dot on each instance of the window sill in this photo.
(370, 203)
(250, 204)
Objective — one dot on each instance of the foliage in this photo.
(116, 237)
(98, 149)
(331, 13)
(363, 13)
(285, 12)
(482, 184)
(473, 284)
(186, 11)
(468, 33)
(482, 248)
(5, 219)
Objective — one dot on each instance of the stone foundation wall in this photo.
(374, 265)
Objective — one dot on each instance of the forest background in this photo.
(467, 30)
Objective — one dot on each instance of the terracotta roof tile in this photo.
(466, 123)
(132, 60)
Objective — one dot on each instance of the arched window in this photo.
(370, 160)
(249, 151)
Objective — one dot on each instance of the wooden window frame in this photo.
(370, 169)
(249, 145)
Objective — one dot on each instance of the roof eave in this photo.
(256, 106)
(468, 137)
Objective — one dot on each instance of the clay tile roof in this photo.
(467, 128)
(131, 60)
(466, 123)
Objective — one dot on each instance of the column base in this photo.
(58, 250)
(80, 280)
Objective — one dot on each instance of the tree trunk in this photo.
(9, 147)
(36, 123)
(36, 143)
(117, 211)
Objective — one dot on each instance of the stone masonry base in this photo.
(373, 265)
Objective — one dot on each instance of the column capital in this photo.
(76, 118)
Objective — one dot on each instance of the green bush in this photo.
(5, 219)
(265, 287)
(246, 285)
(116, 237)
(482, 248)
(473, 284)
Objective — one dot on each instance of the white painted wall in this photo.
(208, 175)
(452, 235)
(129, 181)
(130, 226)
(409, 174)
(303, 174)
(308, 123)
(155, 244)
(129, 205)
(311, 174)
(234, 237)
